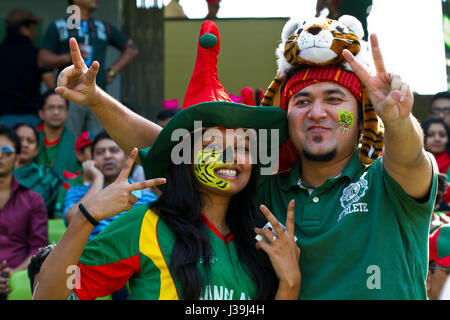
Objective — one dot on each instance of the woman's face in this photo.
(436, 139)
(28, 145)
(222, 161)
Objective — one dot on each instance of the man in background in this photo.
(95, 36)
(55, 140)
(21, 81)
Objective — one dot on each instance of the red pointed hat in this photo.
(205, 85)
(206, 100)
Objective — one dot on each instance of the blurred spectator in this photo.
(108, 161)
(174, 10)
(93, 37)
(83, 153)
(21, 76)
(337, 8)
(165, 115)
(439, 261)
(31, 175)
(55, 140)
(23, 218)
(437, 141)
(441, 209)
(213, 9)
(252, 97)
(439, 106)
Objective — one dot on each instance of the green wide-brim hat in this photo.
(156, 159)
(207, 101)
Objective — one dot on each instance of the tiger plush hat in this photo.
(320, 42)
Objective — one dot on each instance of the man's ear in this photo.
(41, 114)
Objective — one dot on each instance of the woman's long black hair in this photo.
(179, 207)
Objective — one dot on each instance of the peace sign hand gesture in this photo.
(391, 97)
(77, 82)
(283, 252)
(117, 196)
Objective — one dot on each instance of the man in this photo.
(55, 140)
(23, 217)
(83, 152)
(96, 36)
(20, 90)
(104, 168)
(439, 268)
(439, 106)
(381, 211)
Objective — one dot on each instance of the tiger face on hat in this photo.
(310, 52)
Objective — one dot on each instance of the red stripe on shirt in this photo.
(101, 281)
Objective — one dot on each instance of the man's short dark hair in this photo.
(36, 262)
(167, 114)
(48, 93)
(12, 136)
(70, 2)
(100, 136)
(439, 95)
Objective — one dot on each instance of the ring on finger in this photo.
(273, 239)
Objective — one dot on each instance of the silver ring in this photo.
(273, 239)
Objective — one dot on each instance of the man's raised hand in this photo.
(77, 82)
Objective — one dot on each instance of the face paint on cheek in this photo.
(205, 162)
(345, 119)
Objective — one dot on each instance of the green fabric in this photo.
(56, 229)
(156, 158)
(61, 156)
(19, 285)
(360, 235)
(57, 35)
(61, 195)
(42, 180)
(120, 240)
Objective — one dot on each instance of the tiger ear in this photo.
(289, 28)
(353, 24)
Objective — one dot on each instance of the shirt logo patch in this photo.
(351, 196)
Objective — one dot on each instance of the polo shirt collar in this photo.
(351, 169)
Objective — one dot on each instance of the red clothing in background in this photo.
(23, 225)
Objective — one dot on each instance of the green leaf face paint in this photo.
(345, 120)
(205, 162)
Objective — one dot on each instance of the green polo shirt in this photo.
(361, 236)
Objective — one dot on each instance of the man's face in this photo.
(440, 108)
(7, 158)
(110, 159)
(314, 122)
(90, 5)
(54, 112)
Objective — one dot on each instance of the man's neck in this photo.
(51, 134)
(85, 14)
(316, 173)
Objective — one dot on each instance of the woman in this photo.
(436, 141)
(198, 239)
(43, 180)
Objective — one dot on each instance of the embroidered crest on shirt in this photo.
(350, 199)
